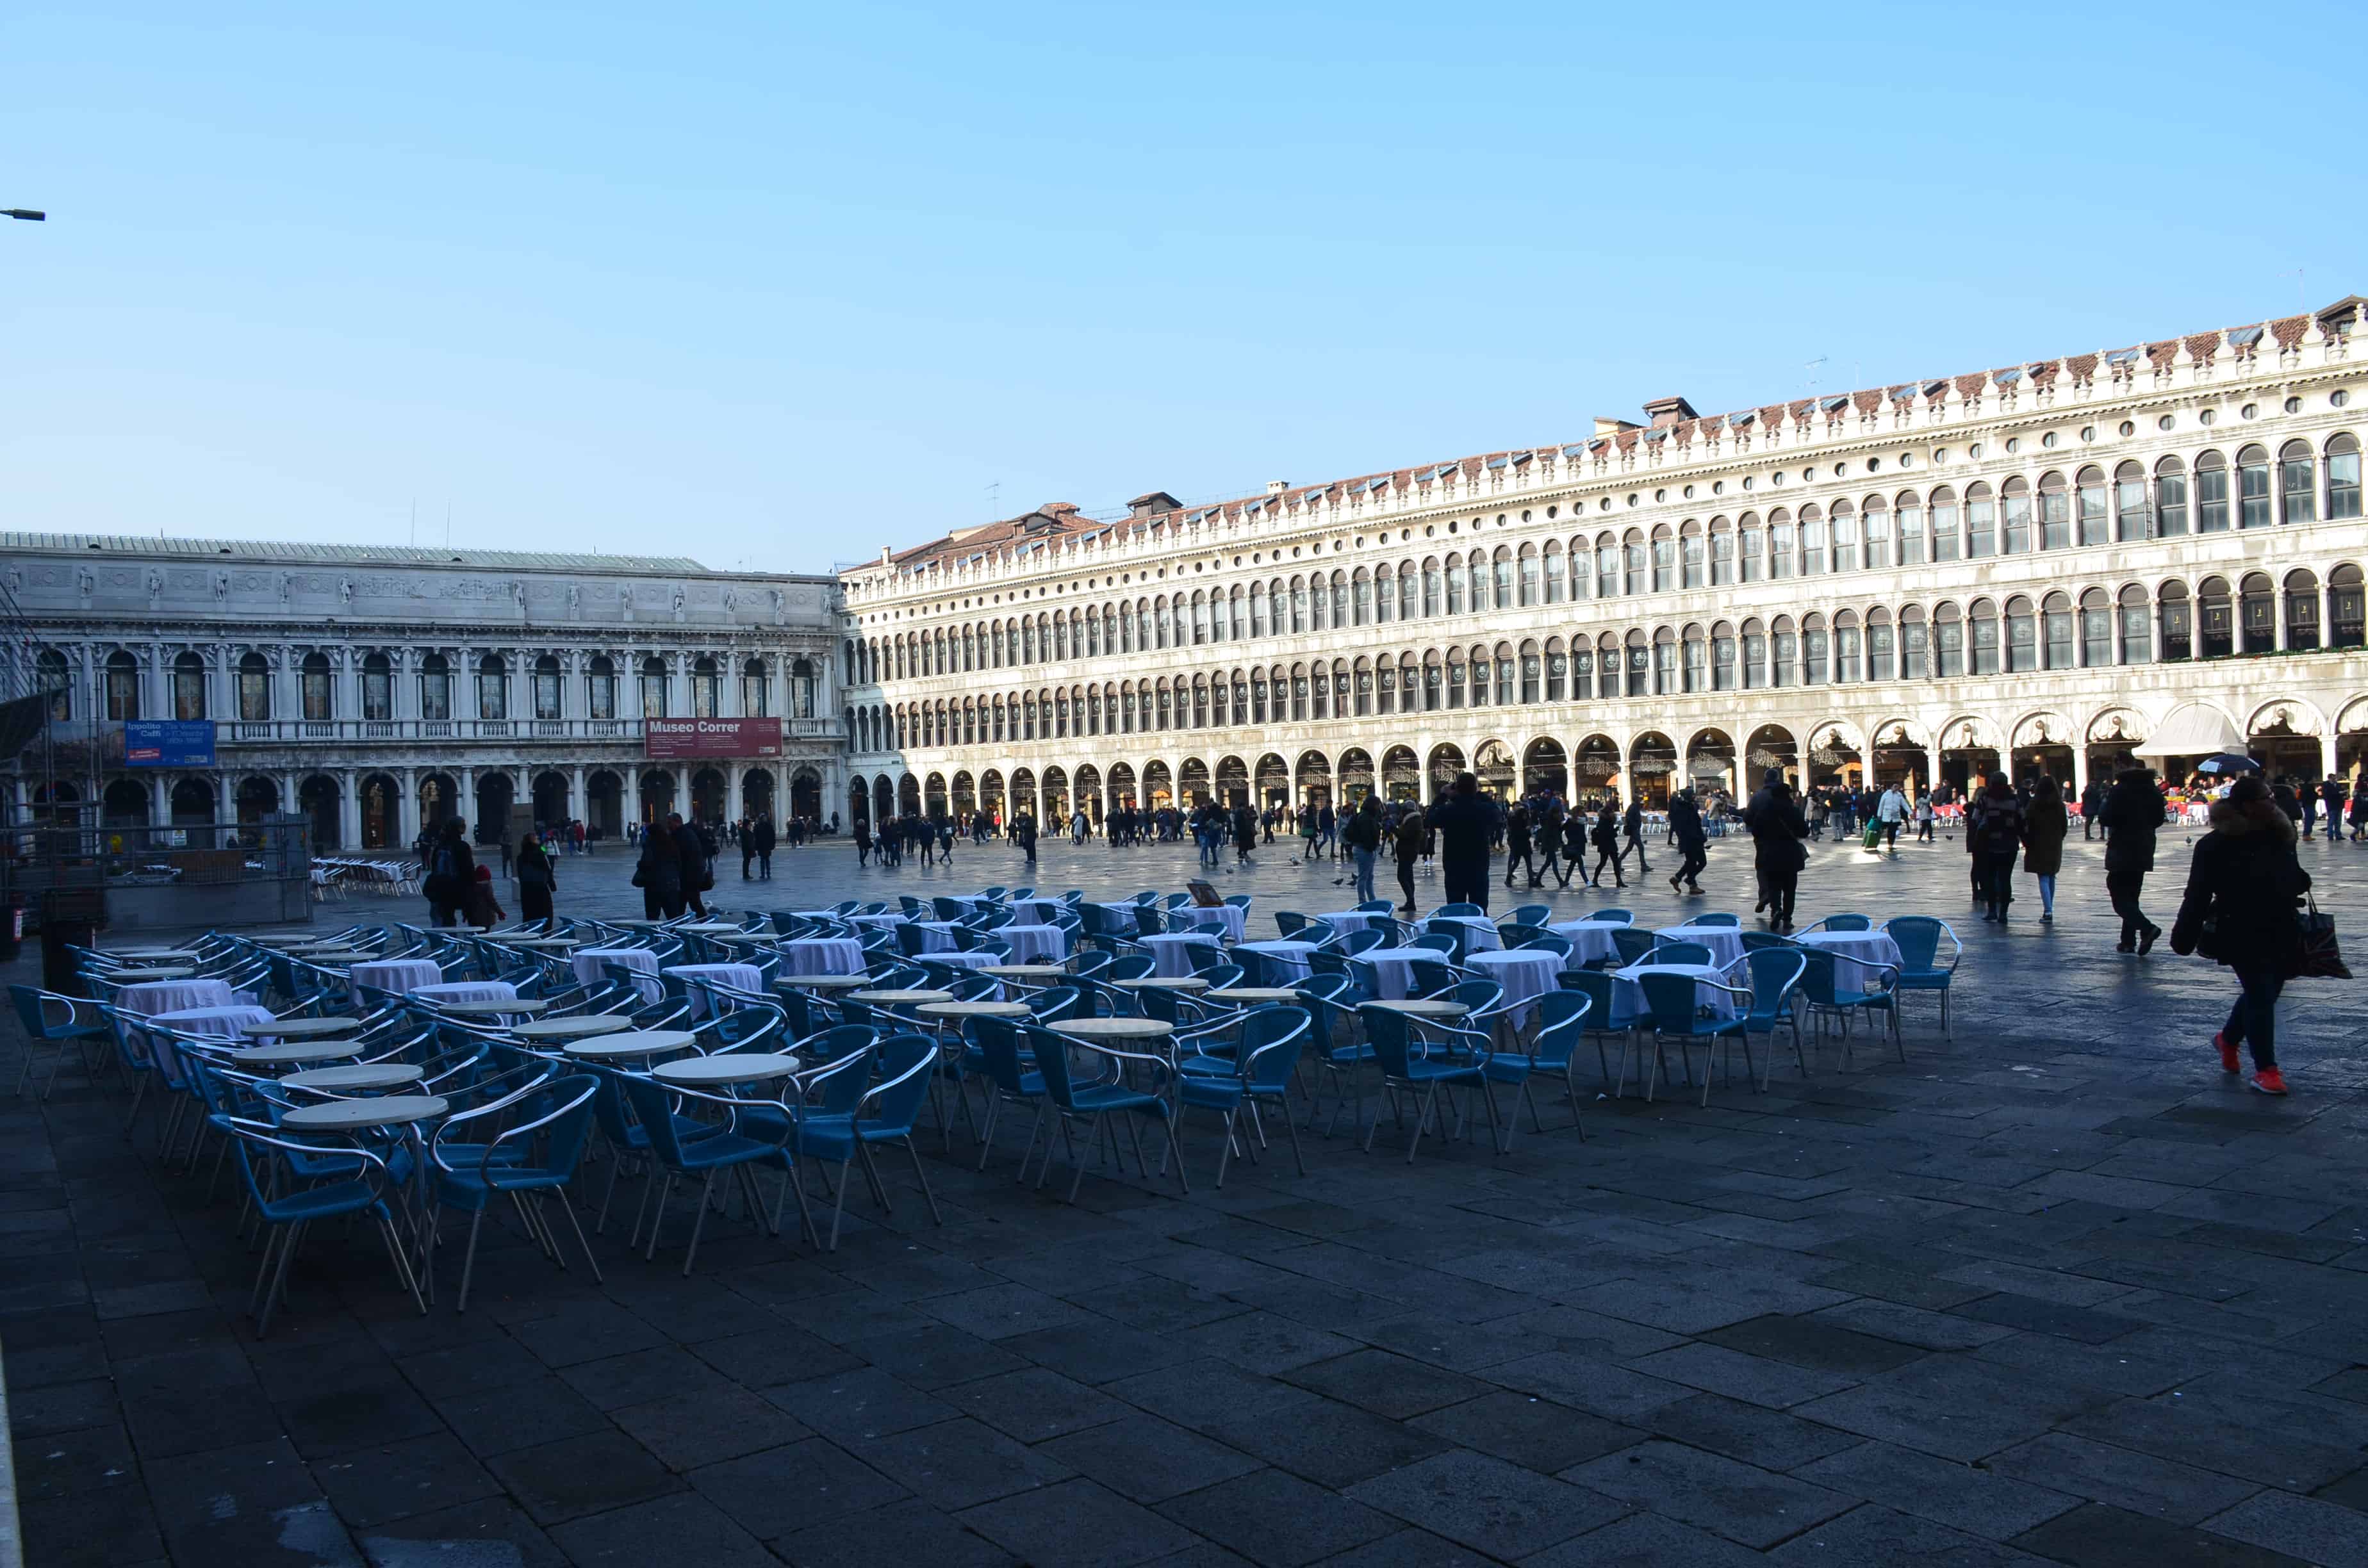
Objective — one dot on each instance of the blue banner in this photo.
(168, 743)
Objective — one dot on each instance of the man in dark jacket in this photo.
(1465, 823)
(1686, 832)
(659, 874)
(2243, 884)
(765, 839)
(2133, 814)
(1775, 820)
(1632, 828)
(2092, 802)
(693, 857)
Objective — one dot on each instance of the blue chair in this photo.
(1407, 1068)
(904, 1064)
(55, 1019)
(1531, 914)
(1620, 916)
(1267, 1056)
(1775, 974)
(1825, 1000)
(1563, 1017)
(726, 1148)
(1753, 941)
(1716, 918)
(1841, 923)
(1074, 1099)
(1672, 1011)
(1595, 984)
(1376, 907)
(1680, 952)
(1549, 942)
(1918, 937)
(504, 1167)
(1459, 909)
(1009, 1082)
(319, 1184)
(1290, 923)
(1634, 947)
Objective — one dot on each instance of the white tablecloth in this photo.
(1225, 919)
(739, 976)
(1524, 975)
(1347, 920)
(466, 991)
(640, 960)
(1854, 953)
(1393, 968)
(1590, 940)
(867, 922)
(397, 975)
(1171, 952)
(1628, 998)
(937, 936)
(1725, 942)
(821, 955)
(1036, 944)
(971, 957)
(1289, 959)
(221, 1021)
(1036, 911)
(174, 995)
(1480, 934)
(1120, 918)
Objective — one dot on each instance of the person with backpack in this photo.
(451, 873)
(658, 873)
(2243, 887)
(1518, 844)
(1777, 827)
(1995, 839)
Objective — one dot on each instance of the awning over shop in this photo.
(2192, 731)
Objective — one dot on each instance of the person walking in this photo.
(2093, 803)
(658, 873)
(1363, 836)
(2133, 814)
(536, 879)
(2046, 825)
(1518, 844)
(1890, 812)
(2360, 806)
(2330, 801)
(1574, 845)
(1924, 814)
(1606, 844)
(1995, 840)
(695, 861)
(1405, 847)
(451, 873)
(2239, 910)
(1777, 828)
(1466, 823)
(1633, 831)
(1692, 845)
(766, 840)
(1023, 833)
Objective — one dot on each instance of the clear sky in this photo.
(778, 284)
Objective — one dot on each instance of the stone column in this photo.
(349, 809)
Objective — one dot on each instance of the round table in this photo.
(299, 1028)
(1424, 1008)
(491, 1008)
(1163, 982)
(1114, 1029)
(752, 1067)
(972, 1010)
(583, 1027)
(1525, 976)
(1725, 942)
(1290, 957)
(1026, 972)
(540, 942)
(632, 1042)
(1035, 944)
(898, 998)
(1628, 1004)
(819, 982)
(360, 1075)
(1860, 957)
(354, 1116)
(295, 1053)
(1258, 993)
(133, 976)
(135, 955)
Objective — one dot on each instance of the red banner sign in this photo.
(676, 738)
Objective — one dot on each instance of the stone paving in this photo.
(2056, 1292)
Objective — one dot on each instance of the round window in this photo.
(2293, 406)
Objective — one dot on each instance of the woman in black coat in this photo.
(536, 879)
(659, 874)
(2242, 888)
(1777, 827)
(1606, 844)
(2132, 815)
(451, 873)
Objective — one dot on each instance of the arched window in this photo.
(1817, 650)
(1780, 544)
(1947, 643)
(2054, 512)
(1664, 560)
(2347, 607)
(2258, 614)
(1721, 657)
(1755, 656)
(2089, 501)
(1500, 570)
(316, 689)
(1582, 669)
(2297, 483)
(1846, 647)
(2055, 630)
(2211, 494)
(254, 688)
(378, 688)
(1693, 569)
(2014, 516)
(492, 688)
(1529, 568)
(1722, 552)
(1409, 591)
(1553, 562)
(1558, 671)
(2135, 627)
(1982, 639)
(1385, 589)
(189, 686)
(1607, 567)
(1531, 671)
(435, 689)
(1693, 658)
(2301, 609)
(2253, 510)
(1360, 599)
(2342, 477)
(1664, 660)
(1917, 644)
(1812, 541)
(654, 688)
(2176, 617)
(547, 687)
(1881, 645)
(2215, 618)
(707, 687)
(2133, 503)
(1913, 542)
(1454, 573)
(2095, 628)
(1259, 625)
(1298, 604)
(1783, 652)
(1845, 538)
(1948, 525)
(1433, 589)
(1874, 522)
(1981, 521)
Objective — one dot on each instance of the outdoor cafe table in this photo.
(1394, 967)
(1026, 972)
(632, 1043)
(1480, 931)
(1424, 1008)
(1171, 952)
(360, 1116)
(588, 964)
(1525, 976)
(738, 976)
(554, 943)
(1122, 920)
(819, 982)
(1590, 940)
(1229, 920)
(1725, 942)
(393, 975)
(1628, 1008)
(956, 1011)
(495, 1007)
(1036, 944)
(138, 954)
(1036, 911)
(903, 998)
(153, 971)
(238, 1018)
(174, 995)
(581, 1027)
(1163, 982)
(732, 1067)
(296, 1052)
(1290, 958)
(357, 1077)
(1347, 920)
(1257, 996)
(711, 928)
(1856, 955)
(299, 1028)
(445, 994)
(1119, 1034)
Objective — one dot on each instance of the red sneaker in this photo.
(2228, 1062)
(2269, 1081)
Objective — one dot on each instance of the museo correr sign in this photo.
(665, 739)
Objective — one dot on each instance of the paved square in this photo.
(2056, 1292)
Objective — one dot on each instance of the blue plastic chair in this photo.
(1716, 917)
(1620, 916)
(1267, 1056)
(1775, 974)
(1819, 990)
(505, 1167)
(1671, 1003)
(1390, 1035)
(342, 1182)
(55, 1019)
(1680, 952)
(1010, 1080)
(1088, 1100)
(1841, 923)
(725, 1149)
(1918, 937)
(1531, 914)
(904, 1062)
(1563, 1017)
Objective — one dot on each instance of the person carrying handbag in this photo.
(2243, 887)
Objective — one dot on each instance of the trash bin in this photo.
(70, 918)
(12, 931)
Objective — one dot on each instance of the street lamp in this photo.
(24, 214)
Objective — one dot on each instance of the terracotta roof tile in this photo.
(2203, 346)
(2290, 330)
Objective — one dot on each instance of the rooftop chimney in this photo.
(1671, 410)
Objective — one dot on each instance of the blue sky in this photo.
(777, 284)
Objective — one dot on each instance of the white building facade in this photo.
(2056, 565)
(378, 690)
